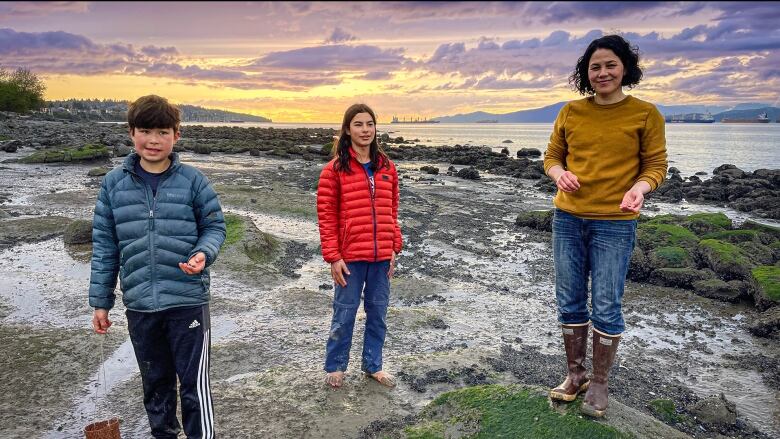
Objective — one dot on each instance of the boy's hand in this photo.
(195, 265)
(100, 322)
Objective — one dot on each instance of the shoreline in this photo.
(472, 297)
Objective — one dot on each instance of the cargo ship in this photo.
(415, 120)
(761, 118)
(690, 118)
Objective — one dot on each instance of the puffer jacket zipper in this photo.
(373, 207)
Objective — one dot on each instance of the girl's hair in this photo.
(344, 142)
(628, 54)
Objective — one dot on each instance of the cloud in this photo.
(331, 57)
(17, 10)
(339, 35)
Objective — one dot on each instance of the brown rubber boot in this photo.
(575, 341)
(604, 349)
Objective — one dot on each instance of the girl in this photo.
(605, 153)
(357, 207)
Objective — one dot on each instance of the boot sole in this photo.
(591, 411)
(560, 396)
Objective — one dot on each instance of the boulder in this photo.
(765, 286)
(78, 232)
(715, 412)
(728, 260)
(766, 324)
(468, 173)
(122, 150)
(679, 277)
(98, 172)
(720, 290)
(529, 152)
(536, 219)
(430, 170)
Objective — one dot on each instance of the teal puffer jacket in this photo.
(143, 238)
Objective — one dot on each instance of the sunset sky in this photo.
(296, 62)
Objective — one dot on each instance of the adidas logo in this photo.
(194, 324)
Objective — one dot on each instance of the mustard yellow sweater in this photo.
(609, 148)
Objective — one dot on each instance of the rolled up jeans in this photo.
(370, 279)
(601, 250)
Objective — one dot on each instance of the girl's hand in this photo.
(392, 267)
(337, 270)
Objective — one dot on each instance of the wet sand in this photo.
(473, 295)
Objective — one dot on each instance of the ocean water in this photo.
(691, 147)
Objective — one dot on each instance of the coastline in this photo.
(473, 297)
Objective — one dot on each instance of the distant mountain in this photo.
(749, 106)
(537, 115)
(111, 110)
(549, 113)
(772, 112)
(668, 110)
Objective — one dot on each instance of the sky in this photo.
(308, 61)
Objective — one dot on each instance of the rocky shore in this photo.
(755, 192)
(472, 331)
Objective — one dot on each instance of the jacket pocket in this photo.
(205, 280)
(346, 236)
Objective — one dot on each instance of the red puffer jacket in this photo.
(355, 226)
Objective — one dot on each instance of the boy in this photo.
(158, 224)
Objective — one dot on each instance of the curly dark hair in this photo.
(628, 54)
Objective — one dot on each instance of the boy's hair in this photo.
(628, 54)
(153, 112)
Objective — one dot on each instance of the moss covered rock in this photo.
(720, 290)
(774, 232)
(704, 223)
(666, 411)
(670, 257)
(537, 219)
(728, 260)
(82, 153)
(653, 235)
(734, 236)
(766, 286)
(502, 411)
(679, 277)
(78, 232)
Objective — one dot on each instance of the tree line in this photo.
(21, 91)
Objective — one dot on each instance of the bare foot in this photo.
(335, 379)
(383, 378)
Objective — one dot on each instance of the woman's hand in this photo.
(565, 180)
(337, 270)
(635, 197)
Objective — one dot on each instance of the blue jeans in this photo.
(601, 249)
(370, 279)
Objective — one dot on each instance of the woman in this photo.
(357, 207)
(605, 153)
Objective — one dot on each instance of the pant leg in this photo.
(346, 301)
(375, 301)
(610, 246)
(189, 331)
(571, 268)
(158, 372)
